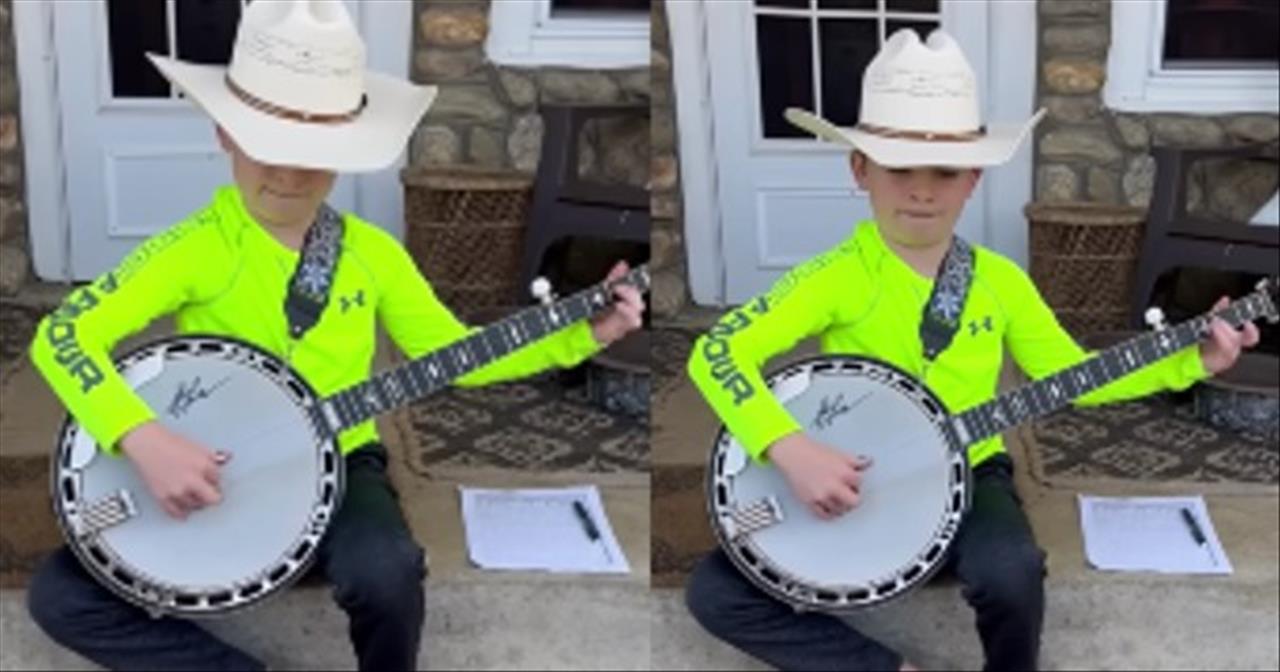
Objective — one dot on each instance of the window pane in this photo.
(848, 45)
(784, 51)
(602, 5)
(912, 6)
(847, 4)
(790, 4)
(135, 27)
(1204, 33)
(922, 28)
(206, 29)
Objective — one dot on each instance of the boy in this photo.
(294, 106)
(917, 151)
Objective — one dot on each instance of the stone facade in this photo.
(487, 115)
(1086, 152)
(670, 286)
(15, 260)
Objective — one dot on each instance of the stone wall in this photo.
(14, 258)
(670, 287)
(1087, 152)
(487, 114)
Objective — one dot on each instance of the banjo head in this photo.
(280, 488)
(912, 497)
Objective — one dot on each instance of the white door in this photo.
(138, 157)
(783, 196)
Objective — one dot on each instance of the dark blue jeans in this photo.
(368, 554)
(994, 555)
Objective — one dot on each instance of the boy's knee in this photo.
(391, 581)
(49, 601)
(1015, 582)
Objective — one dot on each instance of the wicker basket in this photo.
(465, 229)
(1083, 259)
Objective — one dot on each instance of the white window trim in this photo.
(1137, 82)
(525, 33)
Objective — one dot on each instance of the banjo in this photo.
(286, 482)
(920, 489)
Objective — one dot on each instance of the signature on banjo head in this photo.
(831, 408)
(189, 393)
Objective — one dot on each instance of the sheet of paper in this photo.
(538, 529)
(1150, 534)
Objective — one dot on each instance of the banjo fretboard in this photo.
(1060, 389)
(430, 373)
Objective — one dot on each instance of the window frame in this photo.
(527, 33)
(1137, 81)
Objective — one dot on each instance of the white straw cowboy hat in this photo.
(296, 92)
(920, 108)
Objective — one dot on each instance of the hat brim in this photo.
(995, 147)
(370, 142)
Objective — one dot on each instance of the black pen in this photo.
(588, 525)
(1196, 533)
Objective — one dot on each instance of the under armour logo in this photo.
(355, 300)
(975, 326)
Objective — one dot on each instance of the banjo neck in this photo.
(433, 372)
(1060, 389)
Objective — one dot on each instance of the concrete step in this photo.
(518, 622)
(1107, 623)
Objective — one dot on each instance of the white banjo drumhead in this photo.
(909, 496)
(269, 486)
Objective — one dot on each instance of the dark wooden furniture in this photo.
(1175, 238)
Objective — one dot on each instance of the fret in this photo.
(527, 324)
(384, 394)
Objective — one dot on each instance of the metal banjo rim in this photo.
(787, 588)
(157, 596)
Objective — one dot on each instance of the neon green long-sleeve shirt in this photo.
(860, 298)
(221, 273)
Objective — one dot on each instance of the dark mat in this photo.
(1157, 440)
(538, 424)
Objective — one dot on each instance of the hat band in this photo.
(923, 136)
(291, 114)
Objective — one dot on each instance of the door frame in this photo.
(1011, 57)
(379, 196)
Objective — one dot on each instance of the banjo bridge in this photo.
(106, 512)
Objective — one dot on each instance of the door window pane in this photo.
(785, 54)
(1222, 33)
(848, 4)
(920, 6)
(848, 45)
(135, 27)
(206, 30)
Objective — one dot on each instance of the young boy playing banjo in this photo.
(294, 107)
(918, 151)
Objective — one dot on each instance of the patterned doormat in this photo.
(1156, 440)
(538, 424)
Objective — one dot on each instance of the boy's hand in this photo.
(625, 313)
(1220, 350)
(182, 475)
(826, 480)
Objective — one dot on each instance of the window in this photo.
(573, 33)
(1194, 56)
(826, 78)
(200, 31)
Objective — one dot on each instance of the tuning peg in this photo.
(540, 288)
(1154, 318)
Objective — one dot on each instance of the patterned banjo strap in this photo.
(313, 278)
(942, 311)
